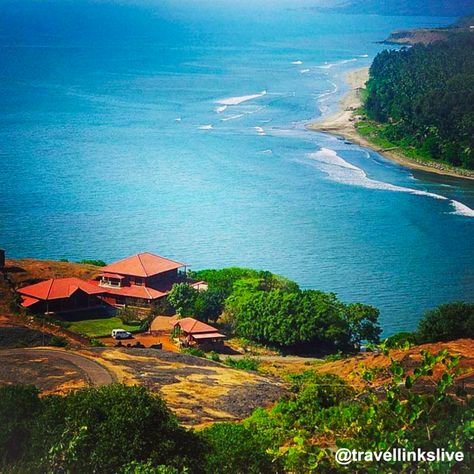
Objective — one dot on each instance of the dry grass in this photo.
(28, 270)
(352, 368)
(199, 391)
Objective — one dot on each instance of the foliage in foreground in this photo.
(325, 414)
(92, 430)
(118, 429)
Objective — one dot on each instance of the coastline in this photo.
(342, 123)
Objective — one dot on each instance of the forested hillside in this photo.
(424, 96)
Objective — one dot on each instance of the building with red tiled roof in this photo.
(191, 332)
(59, 295)
(139, 280)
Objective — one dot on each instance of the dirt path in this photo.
(95, 373)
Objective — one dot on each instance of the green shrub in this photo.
(97, 263)
(128, 315)
(235, 449)
(58, 341)
(245, 363)
(96, 343)
(103, 429)
(447, 322)
(401, 340)
(214, 356)
(194, 351)
(19, 407)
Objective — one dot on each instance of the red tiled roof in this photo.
(112, 275)
(143, 265)
(58, 288)
(209, 335)
(28, 301)
(134, 291)
(193, 326)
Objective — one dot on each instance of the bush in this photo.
(447, 322)
(194, 351)
(245, 363)
(400, 340)
(103, 429)
(19, 406)
(235, 449)
(214, 356)
(96, 343)
(128, 315)
(58, 341)
(97, 263)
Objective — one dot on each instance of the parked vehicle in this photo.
(121, 334)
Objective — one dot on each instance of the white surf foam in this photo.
(259, 130)
(326, 95)
(461, 209)
(232, 117)
(338, 63)
(266, 152)
(297, 63)
(241, 99)
(178, 119)
(304, 71)
(344, 172)
(363, 56)
(205, 127)
(220, 109)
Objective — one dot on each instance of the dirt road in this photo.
(44, 359)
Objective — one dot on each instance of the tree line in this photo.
(424, 96)
(269, 309)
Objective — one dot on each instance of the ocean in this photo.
(179, 128)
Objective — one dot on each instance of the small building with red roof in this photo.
(61, 295)
(193, 332)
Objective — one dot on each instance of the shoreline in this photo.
(342, 123)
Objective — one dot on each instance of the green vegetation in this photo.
(420, 99)
(97, 263)
(102, 326)
(58, 341)
(194, 351)
(237, 450)
(324, 414)
(245, 363)
(447, 322)
(119, 429)
(93, 430)
(271, 310)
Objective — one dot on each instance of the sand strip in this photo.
(342, 123)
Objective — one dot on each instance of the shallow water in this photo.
(181, 131)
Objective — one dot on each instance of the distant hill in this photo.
(404, 7)
(430, 35)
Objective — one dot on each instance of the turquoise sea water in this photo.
(180, 130)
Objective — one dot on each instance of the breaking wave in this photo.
(341, 171)
(241, 99)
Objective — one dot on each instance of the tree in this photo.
(363, 322)
(103, 429)
(447, 322)
(183, 298)
(235, 449)
(209, 305)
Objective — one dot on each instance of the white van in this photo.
(121, 334)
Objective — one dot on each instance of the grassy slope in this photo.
(100, 327)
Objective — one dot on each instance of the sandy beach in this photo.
(342, 123)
